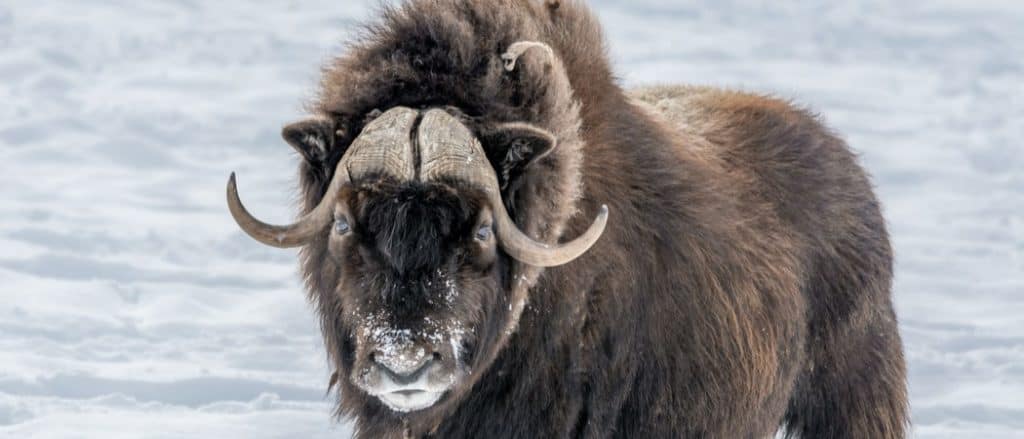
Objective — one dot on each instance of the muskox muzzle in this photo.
(444, 149)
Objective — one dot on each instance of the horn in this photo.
(383, 147)
(449, 150)
(517, 50)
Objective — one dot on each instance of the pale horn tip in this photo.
(597, 228)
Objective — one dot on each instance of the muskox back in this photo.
(853, 380)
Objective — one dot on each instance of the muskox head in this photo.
(420, 245)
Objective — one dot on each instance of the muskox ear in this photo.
(513, 147)
(312, 138)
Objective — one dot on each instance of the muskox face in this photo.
(420, 280)
(418, 248)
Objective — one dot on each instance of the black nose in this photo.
(405, 373)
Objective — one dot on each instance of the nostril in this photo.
(404, 373)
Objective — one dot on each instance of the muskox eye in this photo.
(483, 233)
(341, 226)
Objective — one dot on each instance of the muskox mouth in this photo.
(404, 375)
(406, 397)
(409, 400)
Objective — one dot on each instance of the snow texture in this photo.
(132, 306)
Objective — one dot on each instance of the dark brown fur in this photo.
(742, 283)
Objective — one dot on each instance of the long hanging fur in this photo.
(743, 281)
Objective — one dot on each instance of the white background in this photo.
(132, 306)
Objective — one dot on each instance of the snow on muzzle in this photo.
(407, 370)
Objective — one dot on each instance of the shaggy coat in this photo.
(742, 284)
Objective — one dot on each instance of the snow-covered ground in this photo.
(132, 306)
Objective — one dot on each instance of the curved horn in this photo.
(517, 50)
(382, 147)
(523, 248)
(448, 149)
(291, 235)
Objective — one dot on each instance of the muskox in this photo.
(501, 242)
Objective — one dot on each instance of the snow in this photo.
(132, 306)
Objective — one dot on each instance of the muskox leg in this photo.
(854, 383)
